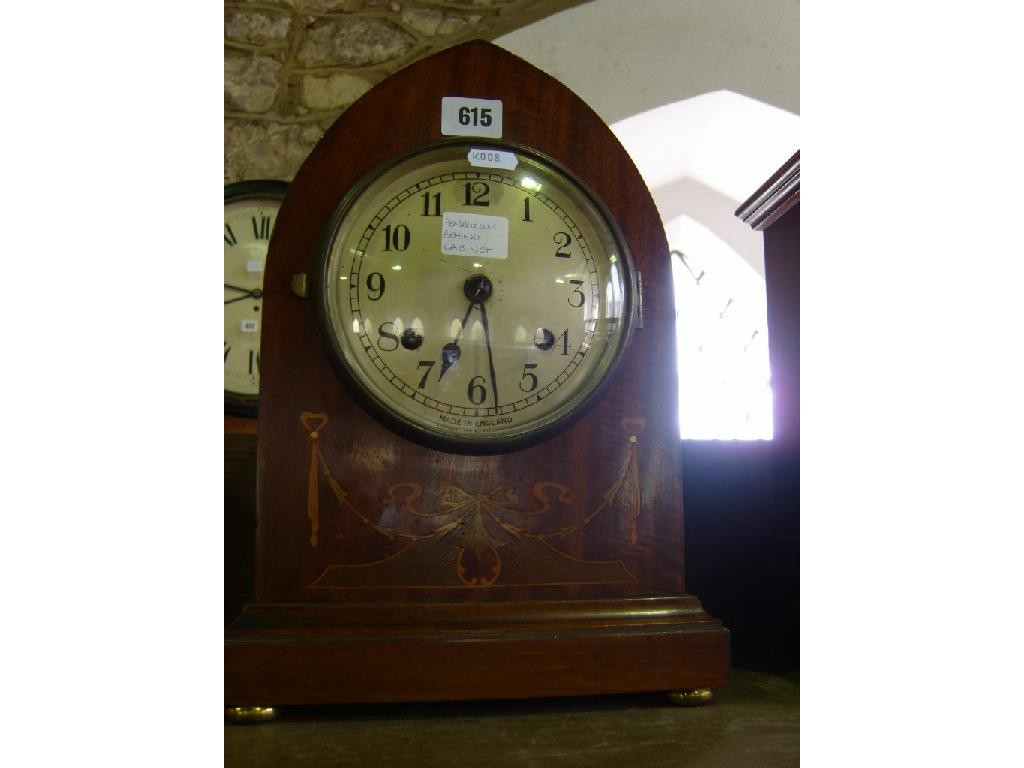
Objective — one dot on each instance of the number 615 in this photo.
(475, 116)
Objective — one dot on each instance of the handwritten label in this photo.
(471, 234)
(461, 116)
(493, 158)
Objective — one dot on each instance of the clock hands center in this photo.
(247, 293)
(477, 288)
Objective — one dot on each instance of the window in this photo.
(701, 158)
(721, 338)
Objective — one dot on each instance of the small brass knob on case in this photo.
(251, 715)
(692, 697)
(300, 285)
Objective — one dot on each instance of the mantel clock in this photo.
(250, 208)
(468, 451)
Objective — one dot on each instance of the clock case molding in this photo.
(562, 571)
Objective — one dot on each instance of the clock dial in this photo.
(479, 306)
(250, 210)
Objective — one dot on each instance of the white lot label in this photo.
(470, 234)
(250, 326)
(470, 117)
(493, 158)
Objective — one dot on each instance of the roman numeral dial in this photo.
(250, 210)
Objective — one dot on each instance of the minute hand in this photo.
(490, 355)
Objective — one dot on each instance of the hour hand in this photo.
(450, 352)
(449, 356)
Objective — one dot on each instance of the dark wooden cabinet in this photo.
(743, 499)
(774, 210)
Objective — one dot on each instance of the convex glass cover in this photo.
(475, 294)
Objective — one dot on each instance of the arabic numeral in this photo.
(428, 364)
(562, 241)
(576, 297)
(397, 238)
(428, 209)
(477, 192)
(375, 286)
(529, 378)
(476, 391)
(387, 340)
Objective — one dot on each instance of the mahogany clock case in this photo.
(558, 567)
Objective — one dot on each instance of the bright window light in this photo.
(701, 158)
(721, 339)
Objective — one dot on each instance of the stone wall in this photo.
(292, 66)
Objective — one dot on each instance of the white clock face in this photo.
(475, 305)
(248, 223)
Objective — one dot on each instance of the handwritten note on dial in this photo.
(471, 234)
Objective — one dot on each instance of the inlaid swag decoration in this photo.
(476, 538)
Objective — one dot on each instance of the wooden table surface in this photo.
(755, 722)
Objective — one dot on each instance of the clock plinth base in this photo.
(329, 653)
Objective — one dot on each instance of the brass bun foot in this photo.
(692, 697)
(251, 715)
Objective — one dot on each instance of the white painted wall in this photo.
(624, 57)
(665, 75)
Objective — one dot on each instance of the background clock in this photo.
(250, 211)
(476, 306)
(468, 452)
